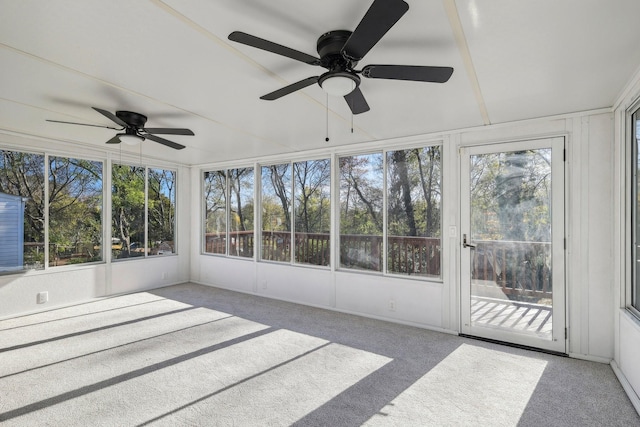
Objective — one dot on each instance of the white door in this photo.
(512, 243)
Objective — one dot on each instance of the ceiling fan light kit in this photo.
(339, 83)
(340, 51)
(130, 139)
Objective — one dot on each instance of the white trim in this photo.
(558, 341)
(633, 397)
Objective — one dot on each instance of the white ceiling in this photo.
(171, 60)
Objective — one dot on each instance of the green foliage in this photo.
(127, 206)
(22, 174)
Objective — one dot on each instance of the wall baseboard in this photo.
(633, 397)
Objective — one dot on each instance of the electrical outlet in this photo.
(43, 297)
(392, 305)
(264, 284)
(164, 275)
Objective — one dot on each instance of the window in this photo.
(75, 211)
(312, 207)
(241, 212)
(161, 212)
(22, 211)
(276, 213)
(142, 212)
(635, 202)
(127, 211)
(361, 213)
(235, 235)
(74, 189)
(413, 211)
(215, 190)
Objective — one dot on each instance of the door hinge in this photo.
(566, 334)
(564, 154)
(565, 243)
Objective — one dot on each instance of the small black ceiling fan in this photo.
(134, 130)
(340, 51)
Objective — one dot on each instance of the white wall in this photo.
(434, 304)
(73, 284)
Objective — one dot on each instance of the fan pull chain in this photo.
(351, 117)
(327, 105)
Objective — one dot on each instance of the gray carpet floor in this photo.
(190, 355)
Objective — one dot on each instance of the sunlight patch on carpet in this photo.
(472, 386)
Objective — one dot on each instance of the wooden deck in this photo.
(536, 319)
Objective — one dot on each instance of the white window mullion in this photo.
(384, 212)
(146, 212)
(46, 212)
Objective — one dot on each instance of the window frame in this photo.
(103, 214)
(203, 205)
(439, 277)
(632, 290)
(292, 221)
(106, 200)
(109, 227)
(337, 208)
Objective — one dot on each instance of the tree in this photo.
(161, 205)
(277, 184)
(75, 206)
(312, 181)
(361, 194)
(216, 204)
(22, 174)
(127, 205)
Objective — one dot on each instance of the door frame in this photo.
(559, 340)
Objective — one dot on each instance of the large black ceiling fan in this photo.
(340, 51)
(134, 130)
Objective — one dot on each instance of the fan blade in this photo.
(381, 16)
(114, 140)
(356, 102)
(408, 72)
(169, 131)
(111, 117)
(290, 89)
(164, 141)
(83, 124)
(263, 44)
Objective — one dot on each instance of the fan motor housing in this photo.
(330, 46)
(135, 120)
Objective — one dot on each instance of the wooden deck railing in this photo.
(407, 255)
(521, 269)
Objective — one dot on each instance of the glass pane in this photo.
(241, 212)
(161, 212)
(75, 211)
(635, 290)
(21, 211)
(511, 227)
(413, 211)
(361, 212)
(312, 209)
(127, 211)
(276, 212)
(215, 235)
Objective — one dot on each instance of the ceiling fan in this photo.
(134, 130)
(340, 51)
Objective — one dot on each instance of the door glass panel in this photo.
(510, 207)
